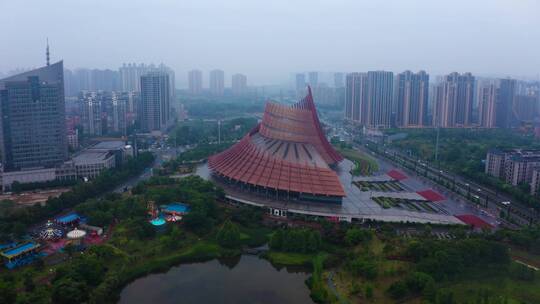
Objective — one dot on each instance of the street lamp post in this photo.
(507, 204)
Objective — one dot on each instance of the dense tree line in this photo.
(20, 187)
(203, 132)
(296, 240)
(443, 260)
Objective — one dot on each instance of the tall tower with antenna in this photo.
(47, 53)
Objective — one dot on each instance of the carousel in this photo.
(50, 232)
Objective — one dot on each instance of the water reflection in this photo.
(245, 279)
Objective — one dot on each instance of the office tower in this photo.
(195, 82)
(454, 104)
(91, 113)
(505, 101)
(217, 80)
(355, 97)
(487, 100)
(155, 101)
(338, 80)
(239, 84)
(33, 132)
(119, 112)
(300, 82)
(412, 99)
(313, 78)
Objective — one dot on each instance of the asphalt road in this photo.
(161, 155)
(485, 197)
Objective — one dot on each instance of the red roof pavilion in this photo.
(287, 151)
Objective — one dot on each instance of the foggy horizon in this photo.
(486, 38)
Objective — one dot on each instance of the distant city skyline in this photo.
(487, 38)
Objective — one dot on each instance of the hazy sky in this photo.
(267, 40)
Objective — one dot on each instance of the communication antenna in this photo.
(47, 53)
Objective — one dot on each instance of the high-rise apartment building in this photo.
(130, 75)
(217, 82)
(487, 99)
(300, 81)
(119, 112)
(91, 113)
(155, 101)
(33, 133)
(239, 84)
(412, 99)
(525, 108)
(313, 78)
(195, 82)
(355, 95)
(380, 97)
(505, 102)
(338, 80)
(454, 101)
(368, 98)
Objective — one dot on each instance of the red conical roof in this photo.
(286, 151)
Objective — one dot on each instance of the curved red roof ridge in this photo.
(297, 127)
(299, 123)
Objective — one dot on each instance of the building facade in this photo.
(195, 82)
(155, 101)
(487, 105)
(217, 82)
(514, 167)
(300, 82)
(91, 113)
(355, 97)
(412, 98)
(33, 131)
(380, 99)
(454, 101)
(313, 78)
(338, 80)
(505, 101)
(239, 84)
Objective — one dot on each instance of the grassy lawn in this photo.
(289, 258)
(363, 162)
(497, 287)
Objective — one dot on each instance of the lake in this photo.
(245, 279)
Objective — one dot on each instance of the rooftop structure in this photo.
(286, 154)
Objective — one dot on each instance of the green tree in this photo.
(276, 240)
(69, 291)
(229, 235)
(355, 236)
(397, 290)
(7, 292)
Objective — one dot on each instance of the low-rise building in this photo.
(495, 162)
(535, 181)
(89, 164)
(514, 166)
